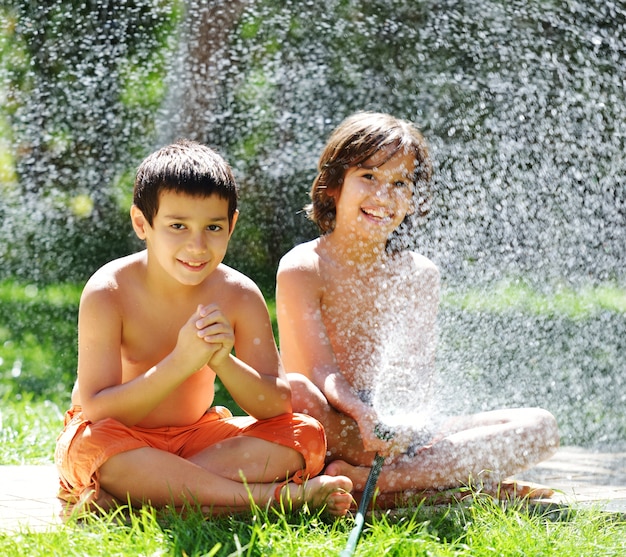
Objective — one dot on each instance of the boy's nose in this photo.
(197, 244)
(382, 192)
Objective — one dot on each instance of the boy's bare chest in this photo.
(150, 330)
(358, 305)
(148, 334)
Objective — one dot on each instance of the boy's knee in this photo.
(299, 381)
(551, 426)
(305, 396)
(544, 418)
(546, 431)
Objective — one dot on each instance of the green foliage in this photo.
(517, 296)
(28, 429)
(517, 99)
(83, 82)
(38, 340)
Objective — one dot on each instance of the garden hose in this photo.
(359, 520)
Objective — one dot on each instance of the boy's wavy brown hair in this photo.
(354, 141)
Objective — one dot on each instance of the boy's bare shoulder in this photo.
(239, 297)
(422, 262)
(413, 264)
(118, 274)
(303, 257)
(230, 280)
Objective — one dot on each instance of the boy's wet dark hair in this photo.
(185, 167)
(358, 138)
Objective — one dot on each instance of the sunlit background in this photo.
(522, 102)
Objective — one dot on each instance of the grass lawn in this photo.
(37, 366)
(483, 529)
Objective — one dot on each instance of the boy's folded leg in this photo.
(83, 447)
(300, 432)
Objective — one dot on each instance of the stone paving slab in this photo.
(581, 478)
(584, 478)
(28, 497)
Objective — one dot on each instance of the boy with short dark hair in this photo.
(155, 328)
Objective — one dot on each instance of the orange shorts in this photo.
(83, 446)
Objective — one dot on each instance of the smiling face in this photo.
(188, 237)
(375, 197)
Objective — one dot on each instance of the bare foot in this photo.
(332, 491)
(358, 474)
(519, 489)
(88, 503)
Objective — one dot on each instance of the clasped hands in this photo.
(211, 327)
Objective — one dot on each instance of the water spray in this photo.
(359, 520)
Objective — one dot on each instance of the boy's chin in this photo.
(189, 279)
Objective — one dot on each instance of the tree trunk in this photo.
(202, 59)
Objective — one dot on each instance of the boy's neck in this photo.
(354, 251)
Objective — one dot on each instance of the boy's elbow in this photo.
(272, 411)
(95, 412)
(269, 404)
(92, 411)
(284, 397)
(282, 403)
(279, 410)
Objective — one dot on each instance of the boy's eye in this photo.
(214, 227)
(177, 226)
(400, 184)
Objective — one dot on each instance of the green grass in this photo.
(513, 295)
(485, 529)
(28, 430)
(37, 340)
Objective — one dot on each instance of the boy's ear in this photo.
(138, 221)
(233, 222)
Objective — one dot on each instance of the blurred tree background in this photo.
(81, 84)
(522, 101)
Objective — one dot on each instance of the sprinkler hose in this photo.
(359, 520)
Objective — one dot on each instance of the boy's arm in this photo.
(254, 375)
(102, 393)
(306, 348)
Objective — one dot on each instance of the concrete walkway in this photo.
(583, 478)
(580, 477)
